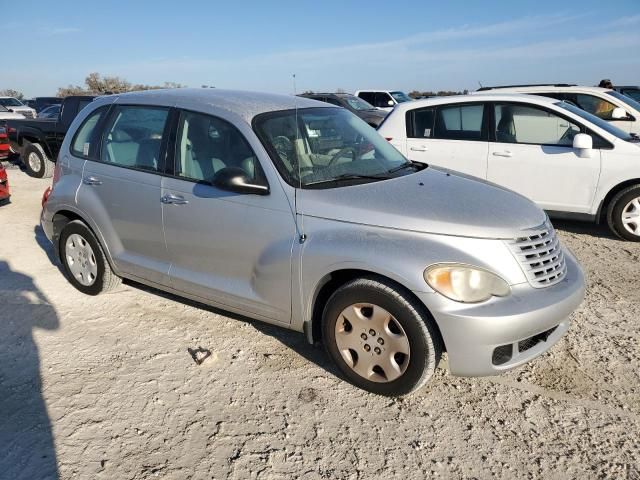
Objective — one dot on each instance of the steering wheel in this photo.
(339, 155)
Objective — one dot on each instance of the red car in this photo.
(4, 154)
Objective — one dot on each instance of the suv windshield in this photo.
(327, 147)
(626, 99)
(603, 124)
(10, 102)
(357, 103)
(400, 97)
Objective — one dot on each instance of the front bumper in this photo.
(524, 320)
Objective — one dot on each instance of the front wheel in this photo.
(83, 260)
(36, 161)
(380, 337)
(623, 214)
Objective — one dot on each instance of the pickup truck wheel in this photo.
(83, 260)
(36, 161)
(623, 214)
(381, 338)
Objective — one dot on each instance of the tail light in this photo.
(56, 173)
(4, 144)
(45, 196)
(388, 139)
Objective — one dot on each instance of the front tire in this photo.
(83, 260)
(380, 337)
(623, 214)
(36, 161)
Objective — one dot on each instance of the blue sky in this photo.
(329, 44)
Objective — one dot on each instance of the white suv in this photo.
(607, 104)
(383, 99)
(16, 106)
(570, 162)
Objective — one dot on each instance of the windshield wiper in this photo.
(348, 176)
(415, 165)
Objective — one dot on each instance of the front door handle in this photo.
(418, 149)
(503, 154)
(171, 199)
(92, 181)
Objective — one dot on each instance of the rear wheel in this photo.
(380, 337)
(36, 161)
(83, 260)
(623, 214)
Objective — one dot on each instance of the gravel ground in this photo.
(105, 388)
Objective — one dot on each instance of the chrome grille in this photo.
(27, 114)
(541, 257)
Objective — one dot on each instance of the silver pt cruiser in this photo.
(297, 213)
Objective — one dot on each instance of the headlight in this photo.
(464, 283)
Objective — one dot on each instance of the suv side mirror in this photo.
(619, 113)
(236, 180)
(583, 144)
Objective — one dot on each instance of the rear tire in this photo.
(394, 360)
(623, 214)
(36, 161)
(83, 260)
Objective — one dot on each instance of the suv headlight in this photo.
(465, 283)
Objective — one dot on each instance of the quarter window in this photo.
(83, 144)
(459, 122)
(133, 137)
(205, 145)
(525, 124)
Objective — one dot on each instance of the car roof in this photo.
(476, 97)
(243, 103)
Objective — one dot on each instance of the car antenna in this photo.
(303, 235)
(480, 83)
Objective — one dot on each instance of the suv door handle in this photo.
(92, 181)
(171, 199)
(422, 148)
(503, 154)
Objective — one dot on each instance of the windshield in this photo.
(327, 147)
(626, 99)
(358, 104)
(632, 93)
(10, 102)
(608, 127)
(401, 97)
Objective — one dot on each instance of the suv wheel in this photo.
(83, 260)
(623, 214)
(382, 339)
(36, 161)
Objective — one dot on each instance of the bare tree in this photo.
(95, 84)
(10, 92)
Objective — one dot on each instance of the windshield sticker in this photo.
(85, 149)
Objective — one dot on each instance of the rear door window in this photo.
(382, 100)
(421, 123)
(133, 137)
(460, 122)
(85, 141)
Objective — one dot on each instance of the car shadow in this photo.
(44, 243)
(27, 449)
(584, 228)
(296, 341)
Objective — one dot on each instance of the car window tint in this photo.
(525, 124)
(205, 145)
(459, 122)
(82, 143)
(333, 101)
(423, 123)
(133, 136)
(595, 105)
(368, 97)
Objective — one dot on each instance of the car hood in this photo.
(11, 116)
(429, 201)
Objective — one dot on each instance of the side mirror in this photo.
(236, 180)
(619, 113)
(390, 103)
(583, 144)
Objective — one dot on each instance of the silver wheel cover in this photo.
(631, 216)
(81, 260)
(34, 161)
(372, 342)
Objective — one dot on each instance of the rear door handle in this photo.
(503, 154)
(92, 181)
(171, 199)
(418, 149)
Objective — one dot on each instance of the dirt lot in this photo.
(104, 387)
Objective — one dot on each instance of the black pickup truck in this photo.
(38, 141)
